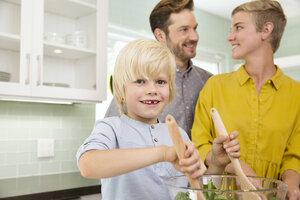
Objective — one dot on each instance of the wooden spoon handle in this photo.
(244, 181)
(179, 144)
(219, 125)
(180, 149)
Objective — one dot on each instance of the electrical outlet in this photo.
(45, 147)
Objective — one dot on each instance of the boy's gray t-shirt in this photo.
(123, 133)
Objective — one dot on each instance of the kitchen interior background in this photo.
(23, 123)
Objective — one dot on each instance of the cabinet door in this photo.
(15, 49)
(69, 50)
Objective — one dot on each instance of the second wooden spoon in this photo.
(244, 181)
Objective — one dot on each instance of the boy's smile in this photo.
(145, 99)
(150, 102)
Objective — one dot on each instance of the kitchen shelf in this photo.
(9, 41)
(68, 52)
(70, 8)
(30, 57)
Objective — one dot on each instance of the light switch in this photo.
(45, 147)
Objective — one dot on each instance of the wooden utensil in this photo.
(244, 181)
(180, 149)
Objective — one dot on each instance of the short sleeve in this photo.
(102, 137)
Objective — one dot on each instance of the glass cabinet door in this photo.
(15, 47)
(69, 44)
(53, 49)
(10, 23)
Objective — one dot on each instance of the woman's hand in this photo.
(224, 146)
(292, 179)
(293, 193)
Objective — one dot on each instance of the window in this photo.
(117, 38)
(209, 61)
(114, 47)
(290, 65)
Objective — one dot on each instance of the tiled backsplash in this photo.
(22, 124)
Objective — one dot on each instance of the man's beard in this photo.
(178, 51)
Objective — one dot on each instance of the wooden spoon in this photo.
(244, 181)
(180, 149)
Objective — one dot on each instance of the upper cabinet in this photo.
(53, 50)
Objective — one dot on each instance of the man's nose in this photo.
(194, 35)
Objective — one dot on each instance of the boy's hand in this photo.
(224, 145)
(192, 162)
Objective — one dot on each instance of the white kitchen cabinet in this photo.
(53, 50)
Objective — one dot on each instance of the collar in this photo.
(189, 68)
(276, 80)
(137, 123)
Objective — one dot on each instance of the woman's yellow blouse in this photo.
(269, 124)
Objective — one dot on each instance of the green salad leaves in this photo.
(212, 195)
(182, 196)
(209, 195)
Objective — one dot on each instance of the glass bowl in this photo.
(225, 187)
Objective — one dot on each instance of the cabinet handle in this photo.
(28, 68)
(38, 70)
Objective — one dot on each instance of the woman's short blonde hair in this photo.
(264, 11)
(145, 58)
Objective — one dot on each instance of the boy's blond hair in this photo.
(144, 58)
(266, 11)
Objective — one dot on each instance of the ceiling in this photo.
(223, 8)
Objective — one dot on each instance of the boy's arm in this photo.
(114, 162)
(292, 179)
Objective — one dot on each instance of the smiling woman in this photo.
(255, 99)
